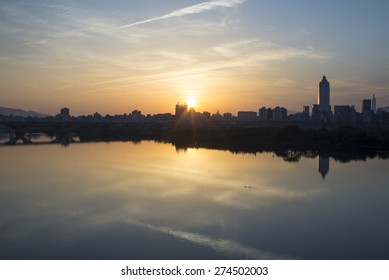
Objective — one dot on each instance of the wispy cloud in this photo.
(195, 9)
(258, 50)
(224, 246)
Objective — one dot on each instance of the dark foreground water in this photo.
(148, 201)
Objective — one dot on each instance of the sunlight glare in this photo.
(191, 102)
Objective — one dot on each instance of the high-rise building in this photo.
(65, 112)
(316, 114)
(280, 113)
(305, 112)
(181, 109)
(367, 112)
(374, 104)
(345, 113)
(269, 113)
(366, 105)
(136, 115)
(324, 96)
(263, 114)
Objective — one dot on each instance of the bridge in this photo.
(65, 133)
(25, 132)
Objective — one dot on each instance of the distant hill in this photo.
(21, 113)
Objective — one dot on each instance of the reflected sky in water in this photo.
(148, 201)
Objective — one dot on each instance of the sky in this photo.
(117, 56)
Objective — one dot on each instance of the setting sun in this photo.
(191, 102)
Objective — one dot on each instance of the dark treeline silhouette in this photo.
(291, 142)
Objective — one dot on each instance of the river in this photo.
(149, 200)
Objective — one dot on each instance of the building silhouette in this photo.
(324, 166)
(181, 109)
(367, 112)
(64, 114)
(345, 113)
(227, 116)
(269, 114)
(280, 113)
(322, 110)
(136, 115)
(324, 96)
(263, 114)
(374, 104)
(305, 113)
(247, 116)
(366, 105)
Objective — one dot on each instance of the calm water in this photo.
(148, 201)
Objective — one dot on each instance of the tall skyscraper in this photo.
(374, 104)
(324, 96)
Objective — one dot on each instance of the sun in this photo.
(191, 102)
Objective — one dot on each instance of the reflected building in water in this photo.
(324, 165)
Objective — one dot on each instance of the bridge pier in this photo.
(14, 137)
(64, 139)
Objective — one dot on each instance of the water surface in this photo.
(122, 200)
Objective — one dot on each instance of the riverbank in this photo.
(290, 141)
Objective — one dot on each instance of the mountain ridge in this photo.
(21, 113)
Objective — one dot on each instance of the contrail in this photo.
(195, 9)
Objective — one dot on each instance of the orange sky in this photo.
(227, 55)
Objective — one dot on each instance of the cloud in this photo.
(224, 246)
(258, 50)
(195, 9)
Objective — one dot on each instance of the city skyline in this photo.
(222, 56)
(322, 111)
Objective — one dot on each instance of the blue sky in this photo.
(117, 56)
